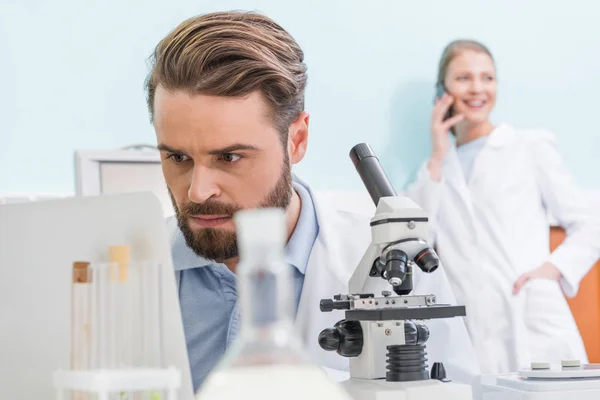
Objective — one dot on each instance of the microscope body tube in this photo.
(370, 171)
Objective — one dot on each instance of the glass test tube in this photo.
(81, 328)
(150, 312)
(147, 317)
(123, 293)
(104, 315)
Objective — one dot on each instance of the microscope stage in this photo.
(399, 314)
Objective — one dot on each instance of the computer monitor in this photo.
(14, 198)
(107, 172)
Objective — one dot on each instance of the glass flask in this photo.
(266, 360)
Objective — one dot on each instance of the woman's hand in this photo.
(439, 127)
(440, 142)
(545, 271)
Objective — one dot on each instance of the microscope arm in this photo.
(360, 282)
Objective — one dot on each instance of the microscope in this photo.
(383, 334)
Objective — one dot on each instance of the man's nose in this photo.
(203, 185)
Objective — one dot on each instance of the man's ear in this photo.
(298, 138)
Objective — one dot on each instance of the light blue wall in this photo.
(72, 72)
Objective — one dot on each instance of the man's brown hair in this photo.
(232, 54)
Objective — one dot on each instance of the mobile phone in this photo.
(439, 92)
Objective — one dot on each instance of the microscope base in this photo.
(380, 389)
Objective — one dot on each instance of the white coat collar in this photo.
(453, 175)
(329, 218)
(503, 135)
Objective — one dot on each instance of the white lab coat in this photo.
(490, 230)
(341, 242)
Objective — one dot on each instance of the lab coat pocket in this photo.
(541, 294)
(548, 320)
(544, 306)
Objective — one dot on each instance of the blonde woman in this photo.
(488, 196)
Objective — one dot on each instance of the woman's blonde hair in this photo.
(452, 50)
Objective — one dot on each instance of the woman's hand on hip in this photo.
(545, 271)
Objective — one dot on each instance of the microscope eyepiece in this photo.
(360, 152)
(367, 164)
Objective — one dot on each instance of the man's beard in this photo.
(219, 244)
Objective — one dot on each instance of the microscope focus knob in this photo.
(327, 305)
(345, 338)
(415, 332)
(329, 339)
(422, 333)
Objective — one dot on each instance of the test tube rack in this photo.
(103, 383)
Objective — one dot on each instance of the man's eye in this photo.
(230, 157)
(178, 158)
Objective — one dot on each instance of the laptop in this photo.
(39, 242)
